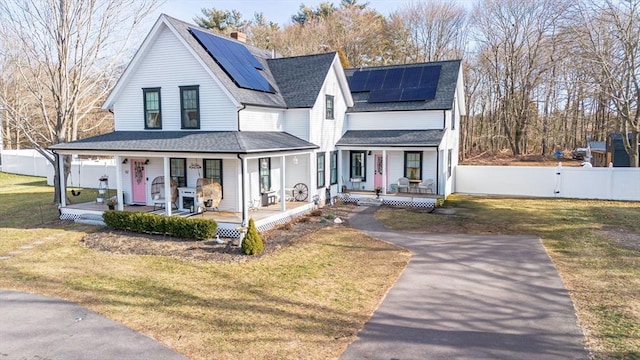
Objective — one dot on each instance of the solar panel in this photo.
(384, 95)
(430, 76)
(393, 79)
(234, 58)
(376, 78)
(358, 81)
(411, 77)
(418, 94)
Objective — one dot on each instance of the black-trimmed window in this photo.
(320, 168)
(190, 106)
(449, 159)
(213, 169)
(333, 168)
(178, 171)
(329, 107)
(265, 174)
(358, 165)
(152, 108)
(413, 165)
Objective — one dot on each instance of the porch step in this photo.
(369, 202)
(91, 219)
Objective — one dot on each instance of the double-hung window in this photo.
(190, 107)
(152, 108)
(358, 165)
(265, 174)
(320, 157)
(178, 171)
(213, 169)
(333, 168)
(329, 107)
(413, 165)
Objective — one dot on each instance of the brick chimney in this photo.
(242, 37)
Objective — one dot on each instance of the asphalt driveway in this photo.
(469, 297)
(44, 328)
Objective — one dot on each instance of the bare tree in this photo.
(66, 54)
(609, 34)
(437, 30)
(516, 40)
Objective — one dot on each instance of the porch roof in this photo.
(416, 138)
(241, 142)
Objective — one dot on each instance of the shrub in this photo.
(187, 228)
(252, 243)
(330, 216)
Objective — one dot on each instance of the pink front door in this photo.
(138, 181)
(378, 171)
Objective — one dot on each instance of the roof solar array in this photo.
(235, 60)
(414, 83)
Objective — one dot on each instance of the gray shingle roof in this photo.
(300, 78)
(444, 93)
(391, 138)
(244, 96)
(241, 142)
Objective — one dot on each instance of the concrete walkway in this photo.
(469, 297)
(40, 327)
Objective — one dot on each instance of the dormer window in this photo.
(190, 107)
(152, 115)
(329, 107)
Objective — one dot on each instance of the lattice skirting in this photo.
(67, 216)
(422, 203)
(228, 233)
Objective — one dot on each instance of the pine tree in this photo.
(252, 243)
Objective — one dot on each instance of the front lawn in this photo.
(305, 301)
(594, 244)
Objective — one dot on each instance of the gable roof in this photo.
(300, 78)
(444, 96)
(236, 142)
(284, 74)
(396, 138)
(243, 96)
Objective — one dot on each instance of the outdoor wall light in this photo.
(146, 162)
(125, 161)
(295, 160)
(369, 153)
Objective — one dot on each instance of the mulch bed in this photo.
(128, 243)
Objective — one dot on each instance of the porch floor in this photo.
(400, 194)
(219, 216)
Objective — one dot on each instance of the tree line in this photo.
(540, 76)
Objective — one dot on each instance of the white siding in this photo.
(168, 65)
(261, 119)
(397, 120)
(297, 123)
(326, 132)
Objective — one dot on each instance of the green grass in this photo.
(306, 301)
(27, 201)
(585, 239)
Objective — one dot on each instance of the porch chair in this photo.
(157, 193)
(426, 185)
(403, 184)
(208, 193)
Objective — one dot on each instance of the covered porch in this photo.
(392, 162)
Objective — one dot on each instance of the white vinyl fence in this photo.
(84, 173)
(563, 182)
(529, 181)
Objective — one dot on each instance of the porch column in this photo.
(283, 203)
(384, 172)
(63, 184)
(340, 172)
(167, 186)
(312, 177)
(119, 183)
(245, 191)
